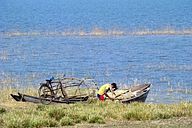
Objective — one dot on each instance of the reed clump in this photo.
(2, 110)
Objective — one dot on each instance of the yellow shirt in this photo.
(103, 89)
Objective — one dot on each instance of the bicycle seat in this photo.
(49, 80)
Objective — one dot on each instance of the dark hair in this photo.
(114, 86)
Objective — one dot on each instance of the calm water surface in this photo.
(127, 41)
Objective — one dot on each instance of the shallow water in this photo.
(127, 42)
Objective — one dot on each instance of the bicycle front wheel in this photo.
(45, 94)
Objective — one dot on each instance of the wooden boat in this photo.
(133, 94)
(136, 93)
(34, 99)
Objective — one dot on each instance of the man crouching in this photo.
(104, 89)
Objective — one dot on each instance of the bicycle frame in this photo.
(49, 91)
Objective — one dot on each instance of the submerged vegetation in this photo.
(167, 30)
(15, 114)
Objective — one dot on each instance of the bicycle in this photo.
(49, 92)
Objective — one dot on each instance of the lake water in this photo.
(127, 42)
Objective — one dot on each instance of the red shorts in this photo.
(101, 97)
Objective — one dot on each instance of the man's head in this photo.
(114, 86)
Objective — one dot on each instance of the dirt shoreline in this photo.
(183, 122)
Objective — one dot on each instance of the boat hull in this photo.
(141, 94)
(33, 99)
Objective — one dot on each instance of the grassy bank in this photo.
(17, 115)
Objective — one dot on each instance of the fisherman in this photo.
(102, 93)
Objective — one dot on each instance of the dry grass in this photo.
(18, 114)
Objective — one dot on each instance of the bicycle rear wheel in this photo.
(45, 94)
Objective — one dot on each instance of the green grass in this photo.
(17, 114)
(99, 113)
(2, 110)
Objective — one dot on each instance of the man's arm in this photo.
(109, 97)
(112, 91)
